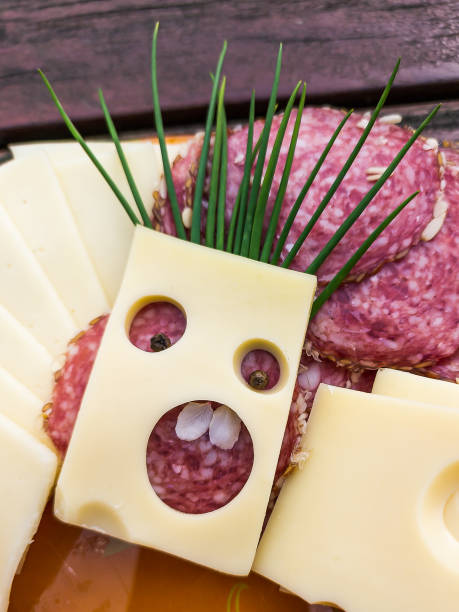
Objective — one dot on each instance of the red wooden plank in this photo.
(345, 50)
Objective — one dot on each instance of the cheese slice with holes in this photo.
(396, 383)
(103, 224)
(370, 524)
(31, 195)
(232, 305)
(21, 406)
(27, 293)
(27, 471)
(24, 357)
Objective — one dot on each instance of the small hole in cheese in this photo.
(260, 369)
(157, 325)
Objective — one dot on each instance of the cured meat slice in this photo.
(446, 369)
(418, 171)
(406, 315)
(191, 476)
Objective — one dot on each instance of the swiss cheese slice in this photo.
(24, 357)
(27, 471)
(27, 293)
(367, 523)
(21, 406)
(103, 224)
(405, 385)
(232, 305)
(33, 199)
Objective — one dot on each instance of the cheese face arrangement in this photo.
(232, 305)
(370, 523)
(27, 470)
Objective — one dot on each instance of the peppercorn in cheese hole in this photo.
(156, 324)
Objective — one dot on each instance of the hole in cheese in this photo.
(155, 323)
(197, 476)
(259, 359)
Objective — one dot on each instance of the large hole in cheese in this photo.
(196, 476)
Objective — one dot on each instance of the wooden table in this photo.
(344, 49)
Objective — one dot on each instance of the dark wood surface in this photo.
(344, 49)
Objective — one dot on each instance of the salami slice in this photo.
(446, 369)
(418, 171)
(191, 476)
(406, 315)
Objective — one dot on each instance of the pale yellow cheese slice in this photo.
(405, 385)
(21, 406)
(370, 523)
(232, 305)
(27, 293)
(27, 471)
(24, 357)
(103, 224)
(31, 195)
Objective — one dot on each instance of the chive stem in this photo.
(180, 229)
(284, 181)
(296, 206)
(344, 170)
(240, 205)
(261, 160)
(79, 138)
(220, 238)
(195, 235)
(338, 279)
(260, 209)
(127, 171)
(215, 172)
(358, 210)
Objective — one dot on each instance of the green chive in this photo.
(220, 240)
(348, 163)
(358, 210)
(180, 229)
(294, 211)
(199, 187)
(124, 162)
(240, 205)
(215, 173)
(344, 272)
(79, 138)
(259, 216)
(283, 184)
(261, 160)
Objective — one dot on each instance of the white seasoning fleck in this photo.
(193, 421)
(431, 144)
(362, 123)
(224, 428)
(432, 228)
(393, 118)
(187, 216)
(440, 208)
(162, 189)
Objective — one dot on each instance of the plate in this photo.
(71, 569)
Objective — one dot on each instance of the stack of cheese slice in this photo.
(371, 523)
(64, 240)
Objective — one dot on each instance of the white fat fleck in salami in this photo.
(418, 171)
(407, 314)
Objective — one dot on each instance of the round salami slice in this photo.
(406, 315)
(445, 369)
(418, 171)
(192, 476)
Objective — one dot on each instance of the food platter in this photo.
(196, 444)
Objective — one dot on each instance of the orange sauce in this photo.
(70, 569)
